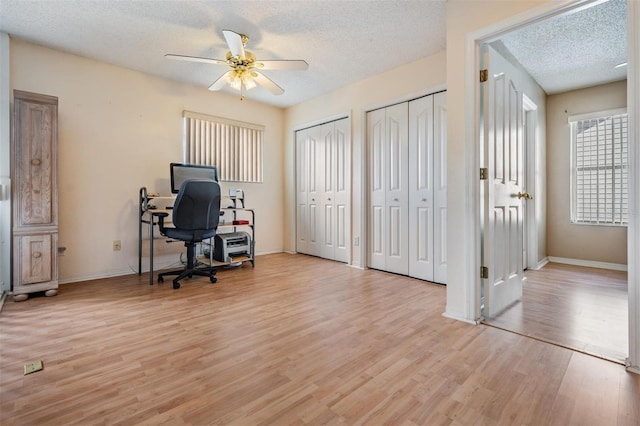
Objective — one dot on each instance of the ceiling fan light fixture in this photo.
(244, 67)
(248, 81)
(239, 78)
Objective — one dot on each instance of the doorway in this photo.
(632, 303)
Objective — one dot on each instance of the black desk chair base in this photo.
(190, 269)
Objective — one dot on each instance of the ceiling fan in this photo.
(244, 72)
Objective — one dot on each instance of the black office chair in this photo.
(196, 214)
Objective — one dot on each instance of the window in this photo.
(234, 147)
(599, 168)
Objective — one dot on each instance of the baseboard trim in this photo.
(632, 368)
(459, 318)
(588, 263)
(541, 264)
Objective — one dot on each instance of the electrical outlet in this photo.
(61, 251)
(117, 245)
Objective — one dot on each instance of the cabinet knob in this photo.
(37, 254)
(36, 161)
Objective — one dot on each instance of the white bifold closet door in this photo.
(407, 188)
(388, 137)
(323, 190)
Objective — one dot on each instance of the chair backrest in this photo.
(197, 206)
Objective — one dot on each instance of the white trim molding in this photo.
(588, 263)
(633, 230)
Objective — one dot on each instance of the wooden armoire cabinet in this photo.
(34, 198)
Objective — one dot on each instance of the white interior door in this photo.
(376, 143)
(421, 137)
(440, 187)
(323, 190)
(503, 208)
(325, 179)
(387, 136)
(314, 147)
(302, 187)
(341, 169)
(397, 189)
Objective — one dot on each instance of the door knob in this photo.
(525, 195)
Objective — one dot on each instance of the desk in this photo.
(149, 216)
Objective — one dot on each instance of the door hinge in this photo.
(484, 173)
(484, 272)
(484, 75)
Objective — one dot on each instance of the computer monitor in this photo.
(181, 172)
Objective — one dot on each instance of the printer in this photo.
(228, 247)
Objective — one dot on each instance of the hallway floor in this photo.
(581, 308)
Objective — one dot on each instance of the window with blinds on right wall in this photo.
(599, 183)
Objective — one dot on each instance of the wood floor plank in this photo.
(295, 340)
(578, 307)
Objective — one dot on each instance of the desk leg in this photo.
(139, 244)
(151, 220)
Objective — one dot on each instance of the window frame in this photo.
(573, 122)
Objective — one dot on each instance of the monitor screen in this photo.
(181, 172)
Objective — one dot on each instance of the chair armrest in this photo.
(161, 216)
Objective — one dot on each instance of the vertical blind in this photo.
(600, 162)
(234, 147)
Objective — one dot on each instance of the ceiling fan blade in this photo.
(267, 83)
(195, 59)
(220, 82)
(234, 40)
(282, 65)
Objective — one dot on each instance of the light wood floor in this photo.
(581, 308)
(297, 340)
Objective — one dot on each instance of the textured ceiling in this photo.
(575, 50)
(343, 41)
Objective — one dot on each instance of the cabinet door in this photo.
(35, 260)
(421, 212)
(35, 158)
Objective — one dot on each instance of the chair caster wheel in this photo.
(213, 279)
(160, 280)
(176, 286)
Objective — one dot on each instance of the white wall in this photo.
(425, 76)
(118, 130)
(5, 181)
(567, 240)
